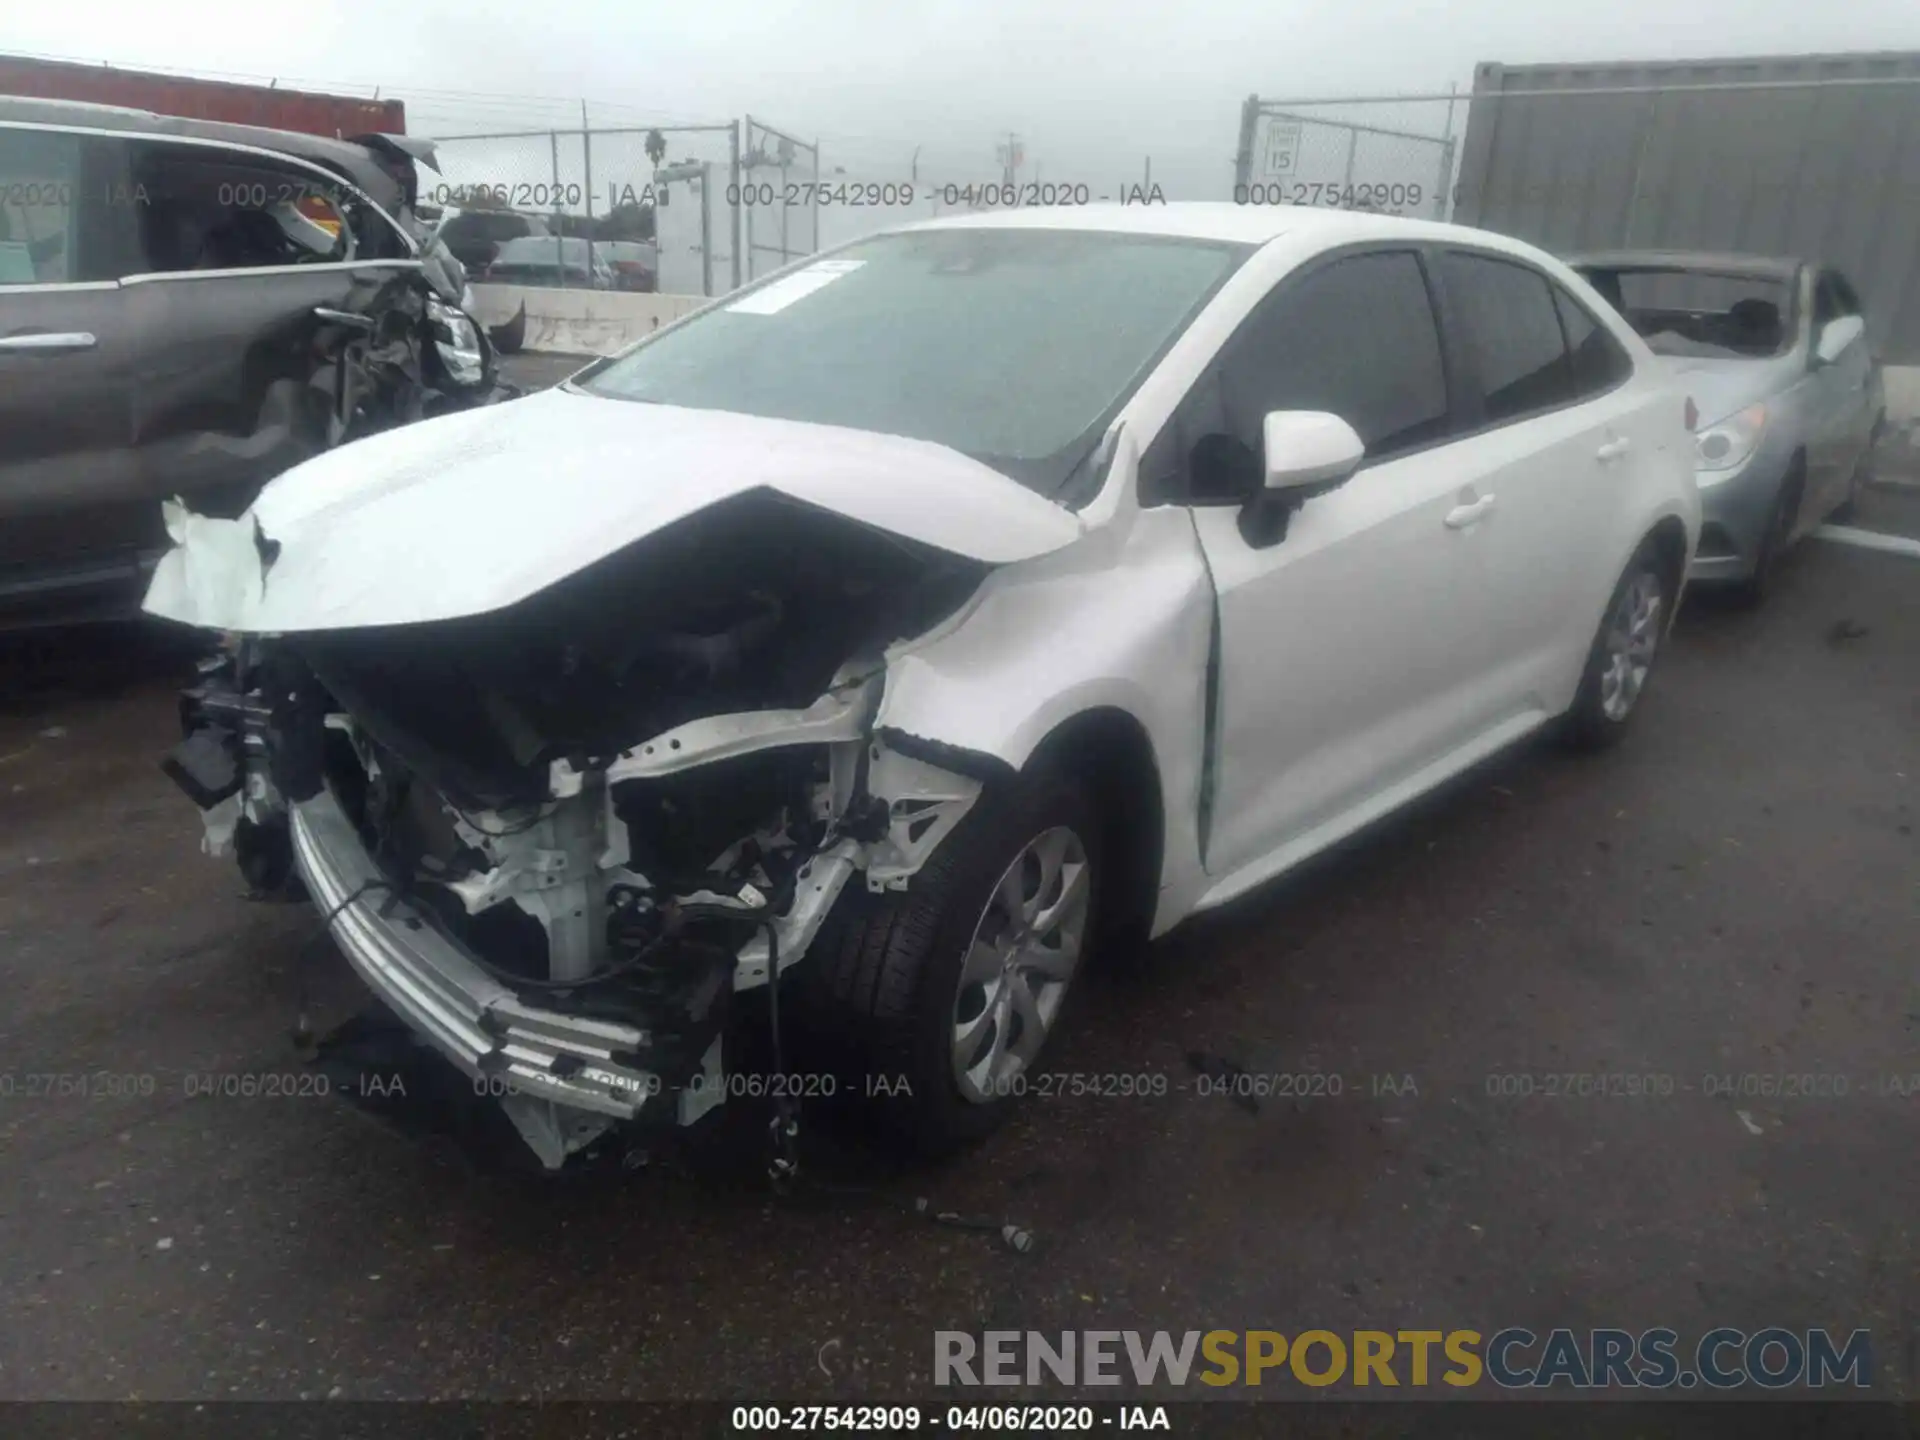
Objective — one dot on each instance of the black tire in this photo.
(1780, 521)
(1588, 725)
(877, 991)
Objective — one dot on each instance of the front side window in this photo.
(40, 191)
(1014, 346)
(1833, 297)
(200, 207)
(1355, 338)
(1513, 334)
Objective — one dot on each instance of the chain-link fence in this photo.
(1813, 158)
(779, 196)
(623, 208)
(1354, 155)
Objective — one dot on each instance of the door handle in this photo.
(342, 317)
(54, 343)
(1613, 449)
(1461, 516)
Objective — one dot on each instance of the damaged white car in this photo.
(919, 622)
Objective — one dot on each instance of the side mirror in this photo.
(1835, 337)
(1306, 453)
(1309, 448)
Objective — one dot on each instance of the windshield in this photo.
(1701, 313)
(1012, 346)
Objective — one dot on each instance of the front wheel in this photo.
(947, 994)
(1622, 655)
(1773, 544)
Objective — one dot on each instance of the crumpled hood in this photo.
(1723, 387)
(478, 510)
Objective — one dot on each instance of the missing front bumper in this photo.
(472, 1019)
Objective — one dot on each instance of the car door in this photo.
(1849, 381)
(1839, 389)
(1554, 433)
(1351, 651)
(261, 278)
(71, 509)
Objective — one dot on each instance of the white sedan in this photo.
(921, 621)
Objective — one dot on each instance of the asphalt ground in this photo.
(1734, 892)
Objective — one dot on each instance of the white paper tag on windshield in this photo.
(772, 299)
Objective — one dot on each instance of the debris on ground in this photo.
(1014, 1237)
(1227, 1073)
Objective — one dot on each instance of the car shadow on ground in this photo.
(44, 669)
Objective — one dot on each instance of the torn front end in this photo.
(559, 839)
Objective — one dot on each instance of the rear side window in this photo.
(204, 207)
(40, 190)
(1356, 338)
(1599, 362)
(1512, 333)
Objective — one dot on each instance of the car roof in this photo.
(1711, 262)
(1222, 220)
(351, 158)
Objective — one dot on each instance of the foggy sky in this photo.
(1092, 88)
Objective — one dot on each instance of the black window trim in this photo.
(1459, 330)
(1561, 292)
(1174, 489)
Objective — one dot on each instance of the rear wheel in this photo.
(1622, 655)
(944, 996)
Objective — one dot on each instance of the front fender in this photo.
(1122, 620)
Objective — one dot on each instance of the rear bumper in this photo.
(436, 986)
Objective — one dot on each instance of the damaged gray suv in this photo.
(188, 308)
(914, 625)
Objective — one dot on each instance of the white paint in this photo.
(1870, 540)
(1364, 660)
(772, 298)
(475, 511)
(1374, 652)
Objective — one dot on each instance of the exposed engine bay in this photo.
(558, 838)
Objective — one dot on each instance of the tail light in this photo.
(1693, 414)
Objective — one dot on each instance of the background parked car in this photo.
(189, 308)
(475, 236)
(636, 263)
(1775, 355)
(564, 262)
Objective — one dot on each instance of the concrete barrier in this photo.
(581, 322)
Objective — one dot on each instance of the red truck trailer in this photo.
(307, 111)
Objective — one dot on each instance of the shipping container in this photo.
(308, 112)
(1815, 156)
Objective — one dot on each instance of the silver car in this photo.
(1774, 355)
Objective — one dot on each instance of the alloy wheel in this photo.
(1025, 948)
(1633, 634)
